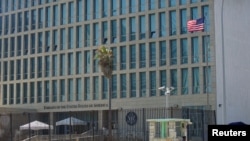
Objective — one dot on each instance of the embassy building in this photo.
(47, 50)
(47, 65)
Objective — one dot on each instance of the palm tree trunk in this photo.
(110, 112)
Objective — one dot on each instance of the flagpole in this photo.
(207, 50)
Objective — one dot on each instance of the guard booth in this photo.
(170, 129)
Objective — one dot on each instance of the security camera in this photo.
(161, 88)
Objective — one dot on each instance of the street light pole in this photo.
(167, 91)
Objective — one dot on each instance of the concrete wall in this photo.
(232, 43)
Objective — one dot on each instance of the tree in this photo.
(105, 61)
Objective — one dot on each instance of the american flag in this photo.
(195, 25)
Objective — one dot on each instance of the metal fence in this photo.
(127, 125)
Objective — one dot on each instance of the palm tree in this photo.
(105, 60)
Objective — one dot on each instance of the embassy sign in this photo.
(74, 106)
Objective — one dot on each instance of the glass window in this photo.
(19, 22)
(142, 27)
(206, 49)
(2, 48)
(162, 3)
(172, 22)
(47, 66)
(195, 49)
(12, 45)
(123, 30)
(105, 8)
(63, 14)
(172, 3)
(151, 4)
(39, 43)
(25, 44)
(88, 10)
(78, 62)
(79, 37)
(47, 41)
(104, 32)
(184, 51)
(152, 77)
(25, 68)
(96, 9)
(113, 31)
(25, 93)
(162, 24)
(162, 53)
(18, 93)
(63, 39)
(184, 81)
(114, 51)
(79, 12)
(5, 71)
(6, 27)
(62, 64)
(104, 87)
(132, 24)
(163, 80)
(48, 17)
(11, 94)
(12, 69)
(205, 13)
(39, 92)
(71, 89)
(71, 12)
(87, 35)
(5, 94)
(207, 79)
(54, 90)
(95, 88)
(132, 54)
(39, 67)
(55, 40)
(54, 65)
(40, 18)
(173, 52)
(55, 15)
(62, 90)
(142, 5)
(152, 26)
(183, 2)
(87, 61)
(6, 47)
(32, 67)
(13, 23)
(114, 8)
(87, 88)
(132, 6)
(173, 80)
(19, 46)
(18, 69)
(96, 34)
(123, 57)
(195, 80)
(123, 86)
(143, 84)
(114, 86)
(142, 55)
(194, 13)
(32, 92)
(193, 1)
(133, 85)
(78, 89)
(70, 64)
(152, 55)
(33, 42)
(95, 63)
(70, 38)
(183, 21)
(123, 7)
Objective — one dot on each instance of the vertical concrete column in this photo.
(100, 119)
(51, 119)
(151, 130)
